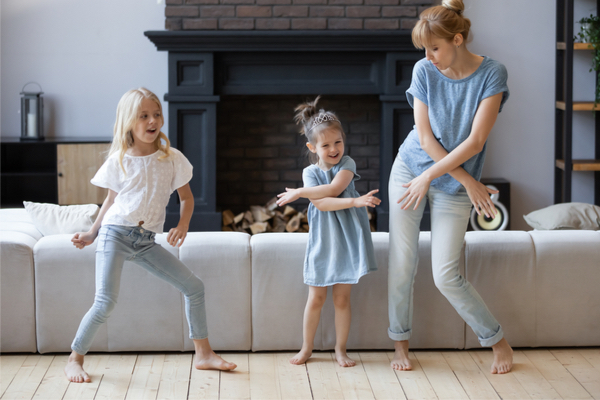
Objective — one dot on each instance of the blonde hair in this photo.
(128, 111)
(445, 21)
(313, 121)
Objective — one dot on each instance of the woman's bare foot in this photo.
(401, 362)
(74, 369)
(302, 356)
(210, 360)
(503, 357)
(343, 359)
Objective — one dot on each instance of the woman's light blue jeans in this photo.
(117, 244)
(449, 220)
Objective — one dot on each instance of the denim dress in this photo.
(340, 247)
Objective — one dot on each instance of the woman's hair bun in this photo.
(455, 5)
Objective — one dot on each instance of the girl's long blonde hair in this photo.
(445, 21)
(128, 111)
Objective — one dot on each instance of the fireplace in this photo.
(216, 75)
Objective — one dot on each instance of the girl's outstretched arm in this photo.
(336, 203)
(335, 188)
(177, 235)
(82, 239)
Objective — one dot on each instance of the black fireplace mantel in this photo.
(203, 65)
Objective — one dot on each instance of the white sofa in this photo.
(541, 285)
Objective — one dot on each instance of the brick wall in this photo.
(260, 152)
(292, 14)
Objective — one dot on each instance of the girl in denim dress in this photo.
(141, 172)
(340, 248)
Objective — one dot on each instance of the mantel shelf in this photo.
(581, 165)
(579, 106)
(576, 46)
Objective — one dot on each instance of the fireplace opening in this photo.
(260, 151)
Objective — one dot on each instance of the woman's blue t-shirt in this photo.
(452, 104)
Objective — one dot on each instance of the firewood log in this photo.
(227, 217)
(293, 224)
(227, 228)
(238, 218)
(305, 227)
(289, 211)
(258, 227)
(272, 204)
(279, 224)
(248, 217)
(261, 214)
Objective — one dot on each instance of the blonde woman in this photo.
(456, 96)
(140, 174)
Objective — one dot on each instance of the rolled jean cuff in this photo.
(489, 342)
(399, 336)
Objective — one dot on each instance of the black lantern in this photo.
(32, 114)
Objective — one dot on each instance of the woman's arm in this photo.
(340, 182)
(335, 203)
(177, 235)
(483, 122)
(82, 239)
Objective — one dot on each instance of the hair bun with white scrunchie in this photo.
(455, 5)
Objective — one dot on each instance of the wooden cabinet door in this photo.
(76, 165)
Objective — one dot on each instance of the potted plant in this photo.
(590, 33)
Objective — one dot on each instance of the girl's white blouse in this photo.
(144, 191)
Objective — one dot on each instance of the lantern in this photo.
(32, 114)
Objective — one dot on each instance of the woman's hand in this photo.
(368, 200)
(479, 194)
(82, 239)
(416, 192)
(177, 235)
(290, 195)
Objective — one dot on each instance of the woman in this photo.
(456, 96)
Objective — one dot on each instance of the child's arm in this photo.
(82, 239)
(177, 235)
(340, 182)
(336, 203)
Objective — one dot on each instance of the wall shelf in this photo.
(565, 165)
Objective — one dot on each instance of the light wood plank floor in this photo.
(572, 373)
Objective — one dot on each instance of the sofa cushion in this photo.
(18, 220)
(52, 219)
(565, 216)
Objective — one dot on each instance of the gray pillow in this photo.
(565, 216)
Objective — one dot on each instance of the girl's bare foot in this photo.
(302, 356)
(343, 359)
(503, 357)
(400, 362)
(74, 369)
(210, 360)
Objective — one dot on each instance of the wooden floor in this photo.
(537, 374)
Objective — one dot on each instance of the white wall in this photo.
(85, 54)
(521, 35)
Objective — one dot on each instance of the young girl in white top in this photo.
(339, 249)
(140, 174)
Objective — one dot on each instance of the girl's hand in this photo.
(82, 239)
(289, 196)
(177, 235)
(416, 192)
(368, 200)
(479, 194)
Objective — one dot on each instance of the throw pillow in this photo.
(565, 216)
(52, 219)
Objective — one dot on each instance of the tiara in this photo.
(323, 117)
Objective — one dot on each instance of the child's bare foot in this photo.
(210, 360)
(343, 359)
(401, 362)
(503, 357)
(74, 369)
(302, 356)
